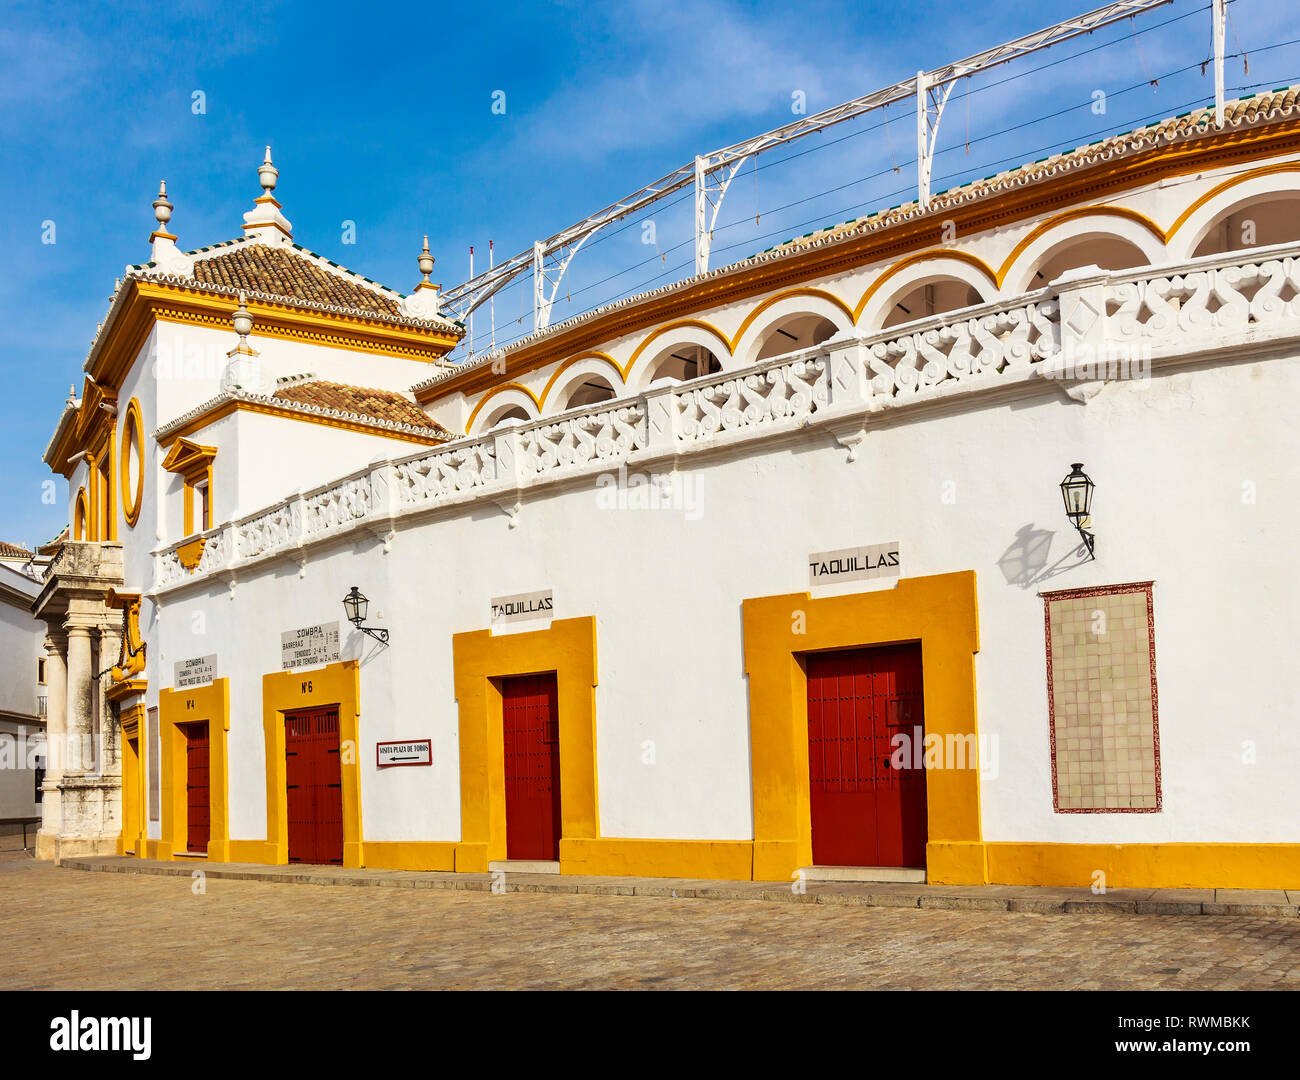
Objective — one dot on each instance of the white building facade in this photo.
(762, 574)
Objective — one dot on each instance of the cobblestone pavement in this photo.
(116, 931)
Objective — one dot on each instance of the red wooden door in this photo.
(532, 749)
(315, 785)
(198, 804)
(866, 811)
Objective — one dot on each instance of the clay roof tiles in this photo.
(386, 405)
(273, 270)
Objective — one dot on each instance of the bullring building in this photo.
(897, 551)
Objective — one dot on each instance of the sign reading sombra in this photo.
(196, 671)
(310, 646)
(522, 607)
(854, 564)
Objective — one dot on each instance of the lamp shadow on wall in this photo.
(1024, 563)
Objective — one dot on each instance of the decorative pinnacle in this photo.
(242, 321)
(267, 173)
(162, 209)
(426, 262)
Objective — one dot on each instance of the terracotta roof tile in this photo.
(282, 272)
(362, 401)
(14, 551)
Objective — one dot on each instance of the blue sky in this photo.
(382, 115)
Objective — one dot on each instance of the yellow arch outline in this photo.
(920, 257)
(546, 390)
(668, 328)
(1219, 189)
(1069, 215)
(131, 423)
(469, 424)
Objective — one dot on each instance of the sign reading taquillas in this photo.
(523, 607)
(854, 564)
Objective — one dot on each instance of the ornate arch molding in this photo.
(674, 336)
(749, 337)
(580, 366)
(919, 269)
(518, 394)
(1194, 223)
(1117, 222)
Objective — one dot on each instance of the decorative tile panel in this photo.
(1102, 704)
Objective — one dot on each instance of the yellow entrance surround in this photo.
(939, 612)
(177, 707)
(133, 840)
(568, 648)
(285, 691)
(481, 659)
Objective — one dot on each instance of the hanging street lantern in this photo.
(356, 606)
(1076, 490)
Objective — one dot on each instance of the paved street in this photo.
(69, 929)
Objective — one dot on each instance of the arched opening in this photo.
(591, 391)
(80, 513)
(683, 362)
(510, 412)
(793, 333)
(931, 298)
(1271, 219)
(1108, 252)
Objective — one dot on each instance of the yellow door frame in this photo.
(940, 612)
(177, 707)
(480, 660)
(338, 684)
(132, 841)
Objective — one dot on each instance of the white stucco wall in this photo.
(1170, 460)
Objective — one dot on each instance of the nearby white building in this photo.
(767, 571)
(22, 694)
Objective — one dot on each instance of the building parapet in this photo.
(1088, 328)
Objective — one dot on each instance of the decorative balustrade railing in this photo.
(1064, 331)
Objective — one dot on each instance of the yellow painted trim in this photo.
(469, 424)
(1069, 215)
(939, 611)
(178, 304)
(1146, 866)
(479, 660)
(190, 553)
(177, 707)
(820, 294)
(227, 408)
(132, 436)
(411, 854)
(134, 729)
(338, 684)
(920, 257)
(576, 359)
(668, 328)
(605, 856)
(1218, 189)
(80, 515)
(120, 691)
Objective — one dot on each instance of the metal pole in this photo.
(922, 144)
(471, 313)
(701, 217)
(1220, 9)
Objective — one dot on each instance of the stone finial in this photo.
(423, 301)
(265, 222)
(244, 371)
(425, 262)
(162, 208)
(267, 174)
(164, 253)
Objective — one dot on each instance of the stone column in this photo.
(56, 706)
(110, 648)
(80, 704)
(56, 723)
